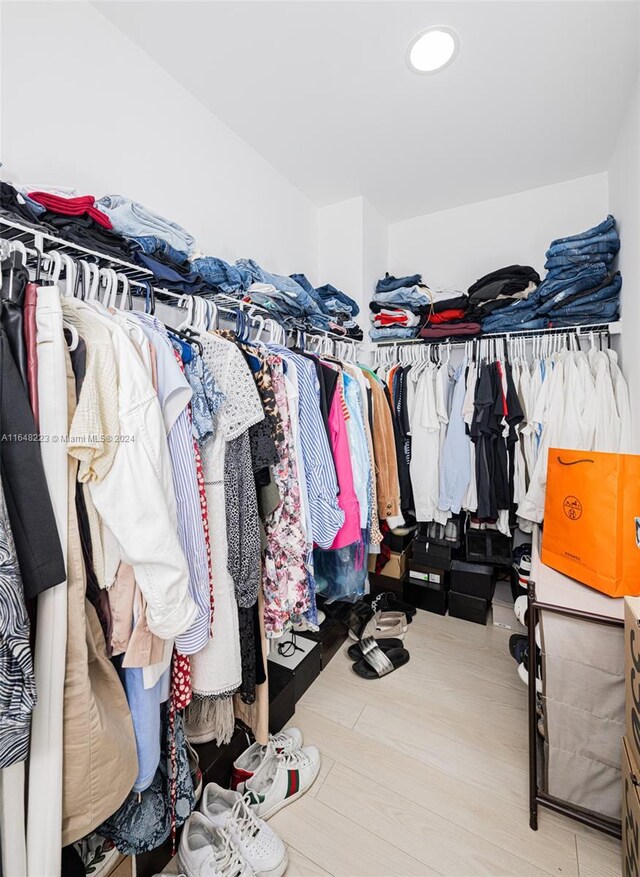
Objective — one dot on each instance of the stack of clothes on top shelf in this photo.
(448, 316)
(498, 290)
(128, 230)
(580, 287)
(399, 308)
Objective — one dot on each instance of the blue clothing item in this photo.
(570, 261)
(455, 470)
(404, 296)
(562, 299)
(179, 279)
(608, 243)
(144, 704)
(206, 399)
(134, 220)
(595, 312)
(393, 333)
(283, 284)
(605, 313)
(568, 281)
(605, 226)
(277, 302)
(225, 277)
(389, 282)
(341, 574)
(327, 517)
(151, 245)
(526, 320)
(305, 283)
(337, 301)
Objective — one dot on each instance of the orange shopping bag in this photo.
(591, 526)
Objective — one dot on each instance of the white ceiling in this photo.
(322, 91)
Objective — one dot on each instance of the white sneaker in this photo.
(281, 778)
(248, 763)
(206, 851)
(260, 845)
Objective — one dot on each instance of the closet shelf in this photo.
(36, 239)
(585, 331)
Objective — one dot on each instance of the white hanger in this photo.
(70, 270)
(55, 266)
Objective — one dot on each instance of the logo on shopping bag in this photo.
(572, 507)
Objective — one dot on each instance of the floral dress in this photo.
(284, 578)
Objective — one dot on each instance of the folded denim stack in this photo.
(337, 307)
(151, 233)
(580, 287)
(398, 308)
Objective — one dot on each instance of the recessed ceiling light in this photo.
(433, 49)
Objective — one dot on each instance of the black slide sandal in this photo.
(376, 663)
(355, 652)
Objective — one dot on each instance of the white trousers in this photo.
(44, 813)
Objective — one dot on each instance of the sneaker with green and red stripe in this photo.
(283, 777)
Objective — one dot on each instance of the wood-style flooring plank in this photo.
(341, 846)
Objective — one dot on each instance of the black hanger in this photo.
(187, 335)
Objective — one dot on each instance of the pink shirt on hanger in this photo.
(347, 499)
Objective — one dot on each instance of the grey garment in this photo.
(243, 523)
(17, 680)
(583, 672)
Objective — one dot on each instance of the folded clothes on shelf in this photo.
(134, 220)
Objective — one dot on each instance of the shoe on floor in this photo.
(260, 845)
(283, 777)
(523, 673)
(248, 763)
(206, 851)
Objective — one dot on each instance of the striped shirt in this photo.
(320, 473)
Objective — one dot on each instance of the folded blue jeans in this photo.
(587, 297)
(330, 295)
(283, 284)
(217, 272)
(389, 282)
(393, 333)
(571, 261)
(605, 226)
(404, 296)
(152, 245)
(134, 220)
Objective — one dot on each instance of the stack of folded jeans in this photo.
(337, 307)
(580, 287)
(152, 233)
(281, 295)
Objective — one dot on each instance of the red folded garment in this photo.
(72, 206)
(446, 316)
(450, 330)
(389, 320)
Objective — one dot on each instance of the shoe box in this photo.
(282, 697)
(427, 587)
(487, 546)
(474, 579)
(502, 609)
(395, 567)
(469, 608)
(330, 637)
(432, 554)
(300, 657)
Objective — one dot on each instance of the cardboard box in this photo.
(396, 566)
(503, 614)
(630, 814)
(632, 675)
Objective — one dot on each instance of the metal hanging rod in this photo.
(586, 330)
(35, 240)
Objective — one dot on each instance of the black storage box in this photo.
(488, 546)
(399, 541)
(430, 554)
(427, 595)
(282, 697)
(303, 661)
(380, 584)
(467, 607)
(330, 637)
(475, 579)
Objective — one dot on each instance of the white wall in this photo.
(83, 106)
(453, 248)
(624, 201)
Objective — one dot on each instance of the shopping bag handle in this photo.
(573, 462)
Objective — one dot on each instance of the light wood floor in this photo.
(425, 771)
